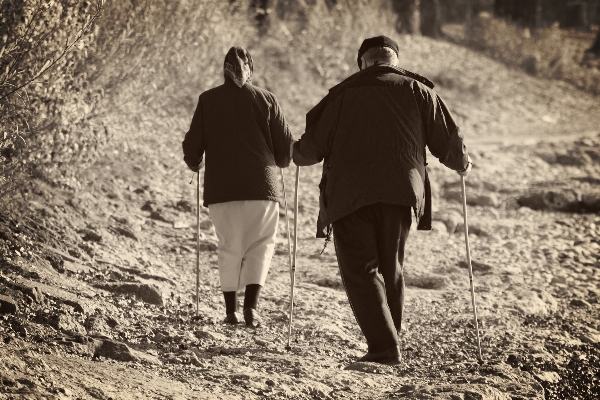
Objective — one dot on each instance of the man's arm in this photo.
(316, 142)
(280, 135)
(193, 144)
(442, 134)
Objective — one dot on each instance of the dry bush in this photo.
(547, 52)
(314, 45)
(329, 38)
(42, 51)
(73, 72)
(121, 74)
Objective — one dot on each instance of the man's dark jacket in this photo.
(246, 138)
(372, 130)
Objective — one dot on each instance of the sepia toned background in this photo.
(98, 215)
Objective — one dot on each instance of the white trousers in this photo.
(246, 231)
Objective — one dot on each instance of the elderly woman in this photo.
(243, 132)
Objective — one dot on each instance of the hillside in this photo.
(98, 278)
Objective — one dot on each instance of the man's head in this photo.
(238, 65)
(377, 50)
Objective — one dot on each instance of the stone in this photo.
(56, 262)
(8, 305)
(206, 224)
(439, 227)
(182, 224)
(590, 337)
(485, 200)
(149, 206)
(473, 230)
(211, 335)
(426, 281)
(145, 292)
(121, 352)
(579, 303)
(548, 376)
(184, 205)
(157, 215)
(456, 195)
(126, 232)
(91, 236)
(492, 187)
(65, 323)
(473, 199)
(573, 159)
(41, 290)
(62, 254)
(450, 217)
(369, 367)
(534, 302)
(476, 265)
(208, 246)
(565, 200)
(100, 325)
(591, 203)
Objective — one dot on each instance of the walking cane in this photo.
(287, 220)
(464, 196)
(198, 244)
(293, 260)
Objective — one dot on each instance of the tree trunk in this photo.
(262, 11)
(431, 18)
(525, 12)
(409, 16)
(595, 49)
(468, 11)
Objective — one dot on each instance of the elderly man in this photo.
(371, 130)
(246, 138)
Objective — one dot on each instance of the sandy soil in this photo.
(98, 281)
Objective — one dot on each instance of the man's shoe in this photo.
(232, 318)
(252, 318)
(390, 356)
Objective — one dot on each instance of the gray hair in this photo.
(379, 55)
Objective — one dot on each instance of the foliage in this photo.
(550, 53)
(73, 71)
(42, 51)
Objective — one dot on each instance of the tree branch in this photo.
(61, 56)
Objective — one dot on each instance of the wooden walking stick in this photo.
(293, 261)
(464, 196)
(287, 220)
(198, 244)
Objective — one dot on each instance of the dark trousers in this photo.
(370, 250)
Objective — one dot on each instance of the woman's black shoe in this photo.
(251, 317)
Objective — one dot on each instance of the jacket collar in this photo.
(379, 69)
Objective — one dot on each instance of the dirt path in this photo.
(107, 308)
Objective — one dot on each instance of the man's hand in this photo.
(196, 168)
(465, 173)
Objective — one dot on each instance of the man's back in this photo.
(374, 129)
(379, 146)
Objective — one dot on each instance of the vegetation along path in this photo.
(98, 281)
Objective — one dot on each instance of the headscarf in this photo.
(238, 65)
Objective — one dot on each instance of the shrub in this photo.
(42, 54)
(72, 70)
(99, 76)
(547, 52)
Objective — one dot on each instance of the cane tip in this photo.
(288, 348)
